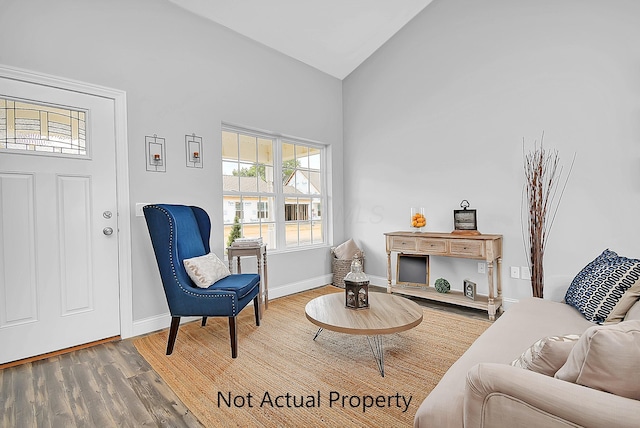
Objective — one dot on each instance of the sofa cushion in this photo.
(634, 312)
(606, 288)
(547, 355)
(242, 284)
(516, 329)
(606, 358)
(205, 270)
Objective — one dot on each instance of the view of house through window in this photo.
(272, 188)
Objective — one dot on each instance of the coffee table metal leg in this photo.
(317, 333)
(376, 344)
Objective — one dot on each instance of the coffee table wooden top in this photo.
(386, 314)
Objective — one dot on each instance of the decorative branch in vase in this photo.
(543, 177)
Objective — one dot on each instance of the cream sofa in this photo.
(482, 389)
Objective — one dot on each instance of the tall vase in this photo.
(542, 181)
(537, 261)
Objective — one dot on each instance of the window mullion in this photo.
(279, 194)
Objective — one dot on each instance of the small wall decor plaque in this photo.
(465, 221)
(469, 289)
(193, 148)
(155, 153)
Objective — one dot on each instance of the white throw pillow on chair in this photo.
(205, 270)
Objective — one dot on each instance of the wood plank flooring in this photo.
(108, 385)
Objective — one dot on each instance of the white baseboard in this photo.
(297, 287)
(161, 322)
(380, 281)
(156, 323)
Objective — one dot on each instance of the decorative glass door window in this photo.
(30, 127)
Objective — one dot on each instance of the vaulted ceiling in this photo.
(334, 36)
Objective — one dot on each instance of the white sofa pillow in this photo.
(606, 358)
(205, 270)
(547, 355)
(633, 313)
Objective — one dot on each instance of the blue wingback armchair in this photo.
(181, 232)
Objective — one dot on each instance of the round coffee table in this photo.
(386, 314)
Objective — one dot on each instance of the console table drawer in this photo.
(466, 248)
(433, 246)
(403, 244)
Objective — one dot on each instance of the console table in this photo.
(487, 248)
(260, 253)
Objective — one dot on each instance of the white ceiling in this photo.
(334, 36)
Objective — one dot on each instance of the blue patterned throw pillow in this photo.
(599, 290)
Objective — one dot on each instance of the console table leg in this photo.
(377, 348)
(491, 306)
(499, 284)
(388, 271)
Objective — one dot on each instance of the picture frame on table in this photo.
(465, 220)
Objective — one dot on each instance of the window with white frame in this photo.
(273, 187)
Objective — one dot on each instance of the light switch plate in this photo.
(525, 272)
(139, 206)
(515, 272)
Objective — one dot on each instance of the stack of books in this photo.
(247, 242)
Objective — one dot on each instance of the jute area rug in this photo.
(283, 378)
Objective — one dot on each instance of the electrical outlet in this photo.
(515, 272)
(525, 273)
(482, 267)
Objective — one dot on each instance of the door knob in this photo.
(107, 231)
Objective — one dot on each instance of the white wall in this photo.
(439, 114)
(182, 75)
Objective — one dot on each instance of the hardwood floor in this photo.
(108, 385)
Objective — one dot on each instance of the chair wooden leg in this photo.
(204, 321)
(233, 331)
(173, 333)
(256, 309)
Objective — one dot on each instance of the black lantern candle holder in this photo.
(356, 286)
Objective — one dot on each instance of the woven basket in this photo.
(340, 269)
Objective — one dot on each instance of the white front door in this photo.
(58, 222)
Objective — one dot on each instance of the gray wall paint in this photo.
(182, 75)
(439, 114)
